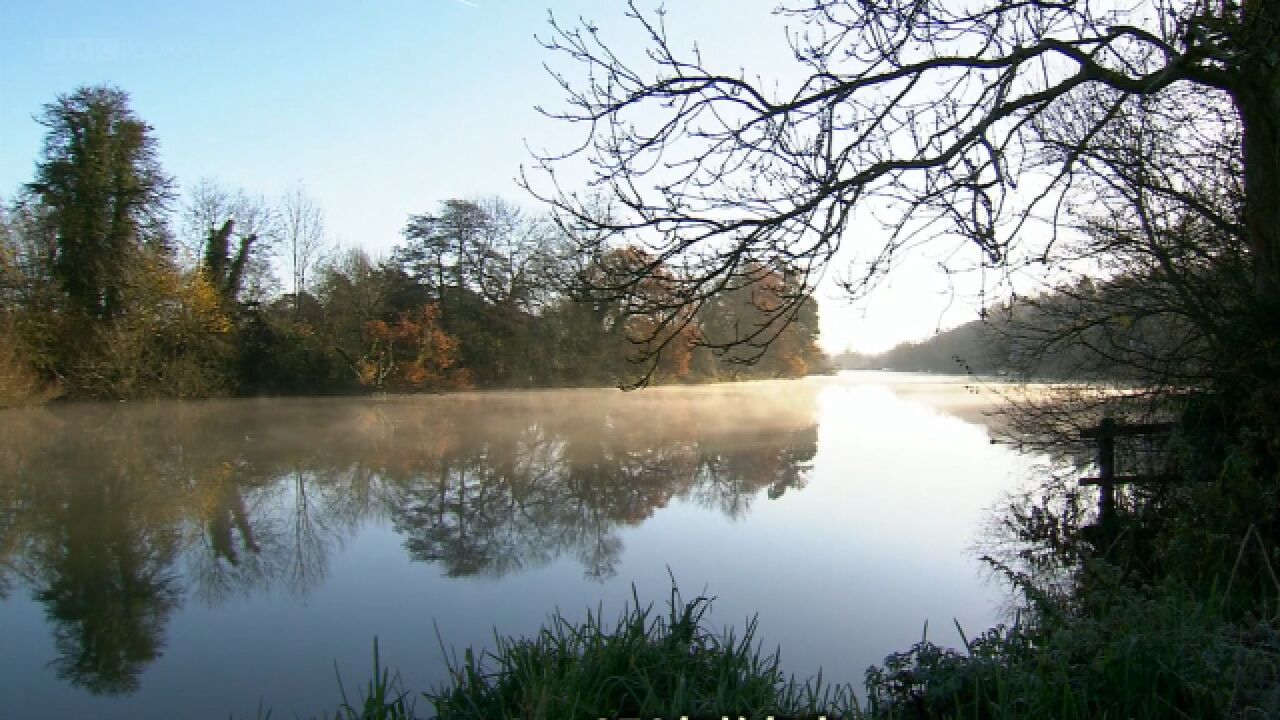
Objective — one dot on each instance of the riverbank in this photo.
(1114, 652)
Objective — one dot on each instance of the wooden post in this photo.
(1106, 472)
(1103, 532)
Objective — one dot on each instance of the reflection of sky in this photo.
(852, 566)
(840, 571)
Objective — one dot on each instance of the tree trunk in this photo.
(1261, 121)
(1257, 96)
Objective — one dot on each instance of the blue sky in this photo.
(380, 109)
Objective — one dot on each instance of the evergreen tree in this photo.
(102, 183)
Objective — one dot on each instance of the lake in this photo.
(207, 559)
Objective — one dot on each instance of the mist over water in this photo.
(211, 556)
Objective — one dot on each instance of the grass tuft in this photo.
(383, 698)
(643, 665)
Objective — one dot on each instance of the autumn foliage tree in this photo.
(660, 331)
(173, 340)
(743, 330)
(411, 352)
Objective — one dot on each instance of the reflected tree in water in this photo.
(523, 495)
(230, 517)
(100, 555)
(109, 599)
(777, 459)
(110, 516)
(311, 535)
(21, 444)
(474, 508)
(9, 533)
(8, 545)
(225, 555)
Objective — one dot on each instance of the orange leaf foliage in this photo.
(412, 352)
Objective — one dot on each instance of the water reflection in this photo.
(113, 517)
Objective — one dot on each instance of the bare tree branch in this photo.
(979, 121)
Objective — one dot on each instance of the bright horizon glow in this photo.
(381, 111)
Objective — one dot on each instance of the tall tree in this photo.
(446, 250)
(102, 183)
(489, 269)
(301, 235)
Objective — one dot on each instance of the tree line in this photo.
(1121, 329)
(111, 288)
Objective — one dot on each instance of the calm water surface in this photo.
(207, 559)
